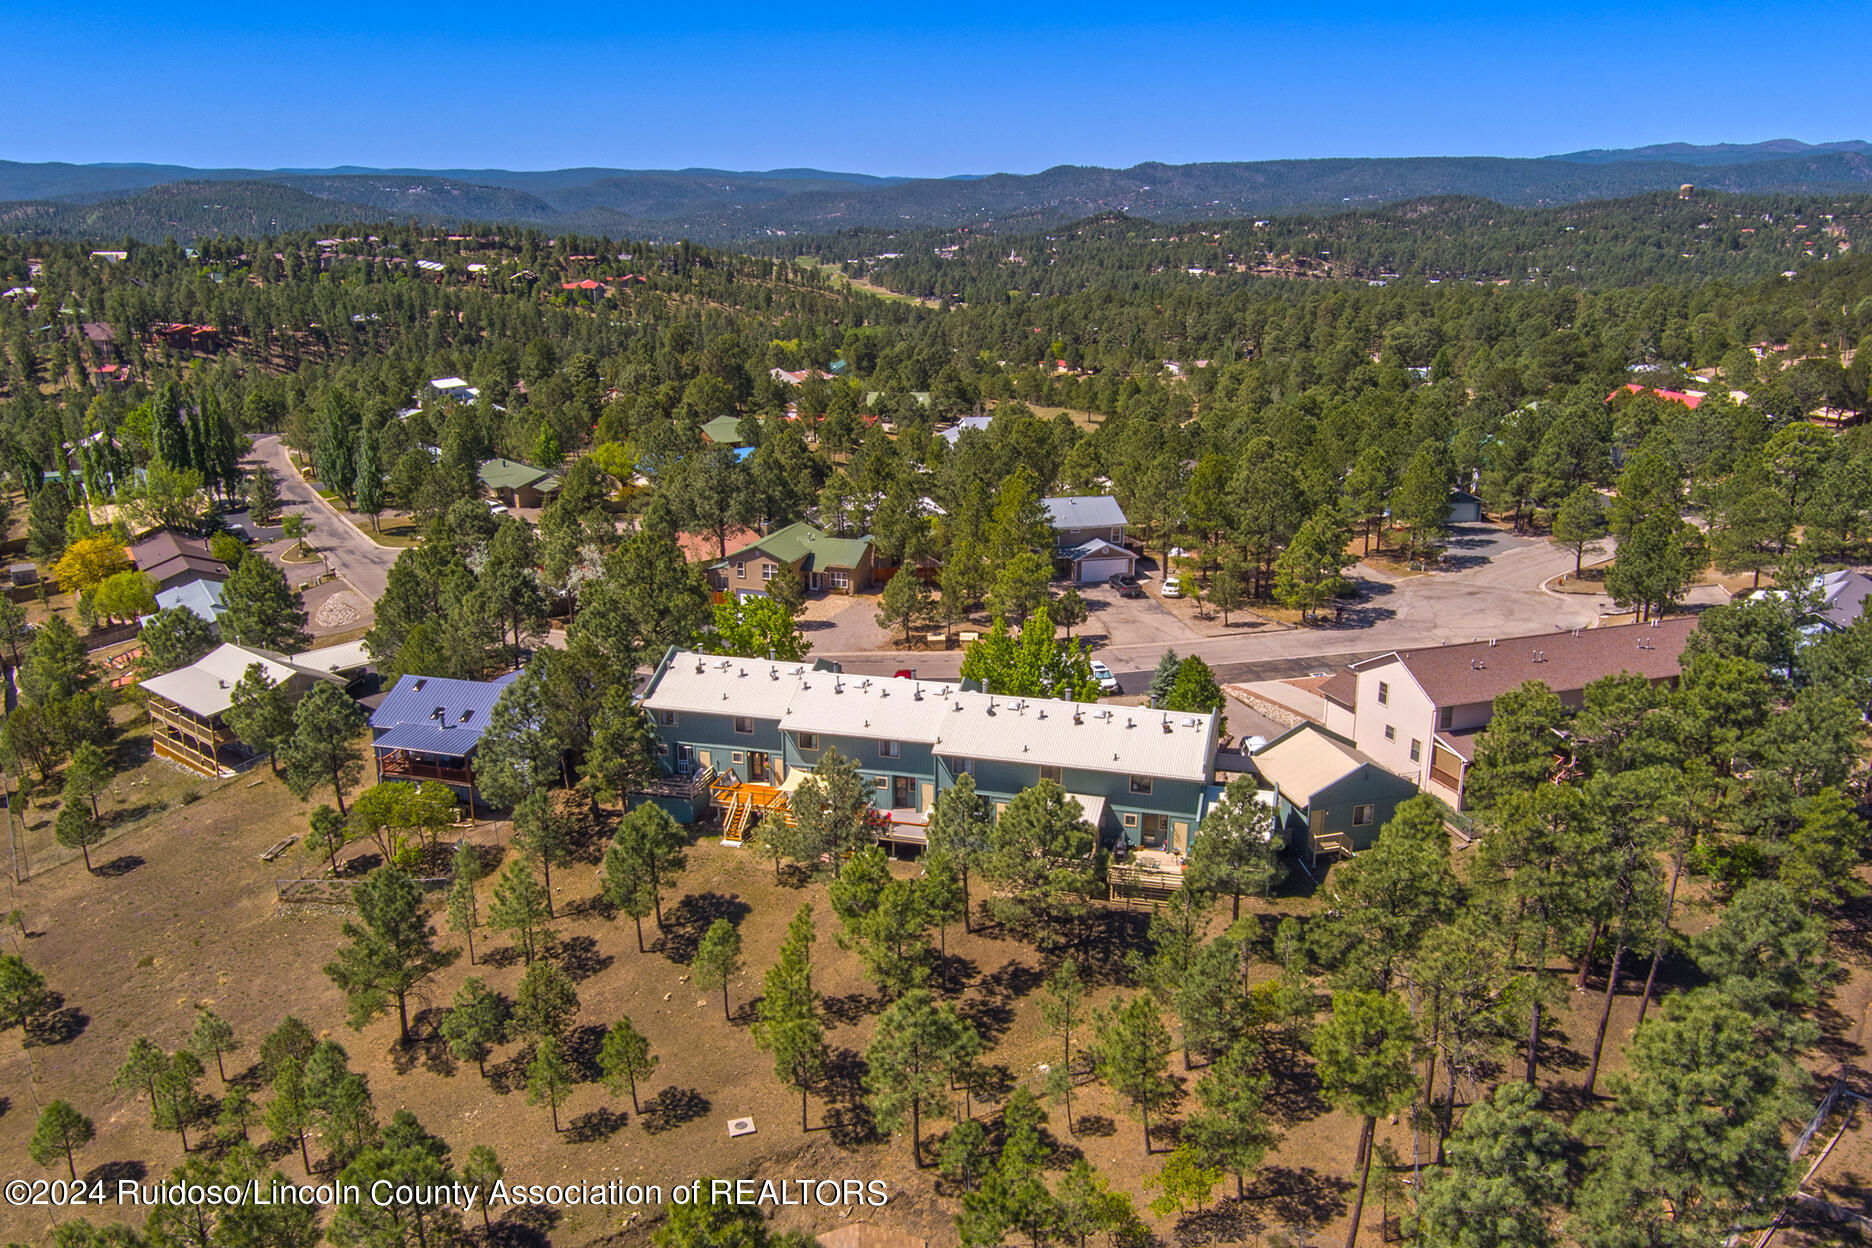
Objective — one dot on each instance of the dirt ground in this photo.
(193, 920)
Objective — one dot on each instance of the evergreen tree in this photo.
(549, 1077)
(463, 909)
(77, 828)
(1237, 849)
(1130, 1050)
(1507, 1170)
(213, 1034)
(1364, 1054)
(519, 908)
(323, 748)
(1041, 854)
(906, 1064)
(260, 715)
(718, 958)
(262, 610)
(625, 1057)
(1163, 678)
(391, 951)
(960, 831)
(475, 1023)
(60, 1132)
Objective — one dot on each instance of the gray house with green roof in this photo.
(839, 565)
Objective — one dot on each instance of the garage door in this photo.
(1099, 569)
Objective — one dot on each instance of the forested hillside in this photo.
(1599, 1022)
(1651, 238)
(720, 207)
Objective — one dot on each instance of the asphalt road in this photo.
(360, 561)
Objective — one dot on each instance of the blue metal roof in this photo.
(434, 739)
(414, 700)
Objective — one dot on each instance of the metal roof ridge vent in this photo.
(1077, 717)
(773, 673)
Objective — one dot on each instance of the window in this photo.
(739, 758)
(808, 740)
(767, 571)
(1416, 750)
(1445, 718)
(663, 748)
(1130, 821)
(1390, 733)
(1384, 693)
(841, 580)
(889, 749)
(667, 718)
(881, 782)
(1140, 784)
(743, 724)
(1362, 815)
(740, 570)
(1049, 772)
(962, 766)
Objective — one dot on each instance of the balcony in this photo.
(401, 765)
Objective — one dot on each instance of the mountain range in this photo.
(110, 201)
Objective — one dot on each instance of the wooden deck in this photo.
(398, 765)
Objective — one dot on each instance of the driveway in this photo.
(353, 556)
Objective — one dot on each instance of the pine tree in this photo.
(625, 1057)
(545, 1002)
(323, 748)
(1507, 1169)
(1364, 1054)
(60, 1132)
(718, 958)
(463, 910)
(1231, 1128)
(391, 951)
(519, 908)
(549, 1077)
(213, 1034)
(260, 715)
(475, 1023)
(262, 610)
(1130, 1050)
(1237, 849)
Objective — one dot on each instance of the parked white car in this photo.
(1107, 682)
(1173, 587)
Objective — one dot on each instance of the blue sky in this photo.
(909, 89)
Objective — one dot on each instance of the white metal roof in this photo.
(724, 686)
(206, 686)
(347, 656)
(1053, 732)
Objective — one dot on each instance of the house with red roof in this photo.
(1688, 398)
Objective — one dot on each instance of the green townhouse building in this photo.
(754, 728)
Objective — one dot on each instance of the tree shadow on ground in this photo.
(581, 1047)
(503, 957)
(1293, 1095)
(686, 921)
(427, 1046)
(111, 1173)
(671, 1108)
(121, 865)
(1103, 939)
(847, 1115)
(530, 1226)
(59, 1024)
(1300, 1194)
(597, 1125)
(1231, 1222)
(593, 907)
(579, 958)
(1097, 1126)
(510, 1075)
(952, 972)
(849, 1007)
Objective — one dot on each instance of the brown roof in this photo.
(1462, 744)
(162, 545)
(1479, 671)
(1340, 687)
(702, 547)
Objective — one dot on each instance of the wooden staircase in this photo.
(736, 819)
